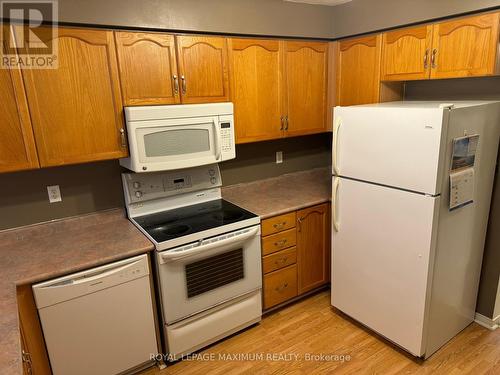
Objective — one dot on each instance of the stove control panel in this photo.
(142, 187)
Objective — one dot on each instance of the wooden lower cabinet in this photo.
(34, 353)
(295, 253)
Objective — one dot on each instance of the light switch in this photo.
(54, 194)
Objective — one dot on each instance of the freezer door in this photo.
(397, 147)
(381, 251)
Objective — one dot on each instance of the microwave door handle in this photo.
(176, 255)
(217, 140)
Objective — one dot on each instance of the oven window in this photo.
(176, 142)
(214, 272)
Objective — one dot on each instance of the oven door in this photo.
(179, 143)
(196, 277)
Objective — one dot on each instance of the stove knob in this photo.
(138, 194)
(137, 185)
(211, 172)
(213, 180)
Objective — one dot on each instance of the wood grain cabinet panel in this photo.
(76, 109)
(148, 68)
(279, 241)
(280, 286)
(358, 70)
(313, 247)
(278, 223)
(465, 47)
(203, 69)
(306, 65)
(406, 54)
(279, 260)
(257, 88)
(17, 144)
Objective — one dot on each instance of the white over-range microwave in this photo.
(170, 137)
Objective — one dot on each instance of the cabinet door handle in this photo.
(281, 261)
(26, 358)
(426, 59)
(281, 243)
(433, 58)
(279, 226)
(176, 84)
(299, 223)
(184, 84)
(281, 288)
(123, 138)
(282, 123)
(286, 122)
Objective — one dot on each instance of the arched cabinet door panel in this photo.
(76, 109)
(203, 69)
(148, 68)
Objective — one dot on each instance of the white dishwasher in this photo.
(99, 321)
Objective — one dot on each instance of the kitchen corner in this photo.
(39, 252)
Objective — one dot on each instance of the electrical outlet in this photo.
(54, 194)
(279, 157)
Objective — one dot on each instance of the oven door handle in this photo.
(171, 256)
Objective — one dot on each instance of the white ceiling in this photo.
(320, 2)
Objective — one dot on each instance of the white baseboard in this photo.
(486, 322)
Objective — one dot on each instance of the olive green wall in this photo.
(362, 16)
(92, 187)
(259, 17)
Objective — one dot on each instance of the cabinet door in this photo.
(313, 247)
(256, 68)
(306, 67)
(76, 109)
(17, 145)
(406, 54)
(465, 47)
(148, 68)
(358, 71)
(203, 69)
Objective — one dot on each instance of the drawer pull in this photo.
(281, 243)
(279, 226)
(282, 260)
(281, 288)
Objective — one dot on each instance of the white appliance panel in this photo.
(99, 321)
(173, 269)
(380, 258)
(397, 147)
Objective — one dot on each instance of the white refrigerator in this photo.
(403, 263)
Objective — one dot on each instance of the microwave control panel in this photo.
(142, 187)
(228, 148)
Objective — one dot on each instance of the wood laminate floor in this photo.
(311, 326)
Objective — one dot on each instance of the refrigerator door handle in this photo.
(338, 123)
(336, 224)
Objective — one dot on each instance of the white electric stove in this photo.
(208, 254)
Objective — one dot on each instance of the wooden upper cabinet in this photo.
(76, 109)
(465, 47)
(203, 69)
(313, 247)
(257, 89)
(358, 70)
(406, 54)
(306, 66)
(148, 68)
(17, 145)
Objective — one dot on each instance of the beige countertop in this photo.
(44, 251)
(278, 195)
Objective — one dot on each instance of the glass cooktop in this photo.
(167, 225)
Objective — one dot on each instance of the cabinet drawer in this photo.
(279, 260)
(280, 286)
(278, 223)
(279, 241)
